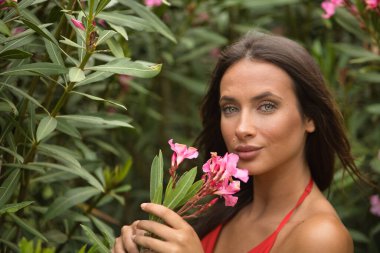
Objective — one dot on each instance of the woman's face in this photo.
(260, 118)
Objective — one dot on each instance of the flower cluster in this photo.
(375, 205)
(152, 3)
(217, 178)
(329, 6)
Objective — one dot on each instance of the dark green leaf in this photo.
(27, 227)
(101, 247)
(9, 186)
(33, 69)
(47, 125)
(12, 208)
(71, 198)
(15, 54)
(91, 122)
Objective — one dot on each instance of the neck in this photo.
(277, 193)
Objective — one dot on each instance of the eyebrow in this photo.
(260, 96)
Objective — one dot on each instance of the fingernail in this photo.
(143, 205)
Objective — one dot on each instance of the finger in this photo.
(153, 244)
(126, 238)
(162, 231)
(167, 215)
(118, 246)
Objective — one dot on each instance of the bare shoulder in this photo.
(322, 232)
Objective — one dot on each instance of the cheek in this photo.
(227, 133)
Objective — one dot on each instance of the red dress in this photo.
(208, 242)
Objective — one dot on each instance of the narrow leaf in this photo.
(192, 191)
(130, 21)
(120, 30)
(54, 52)
(101, 247)
(12, 208)
(152, 19)
(182, 187)
(13, 153)
(105, 35)
(91, 121)
(127, 67)
(24, 94)
(99, 99)
(94, 77)
(46, 126)
(156, 179)
(45, 68)
(4, 28)
(41, 31)
(71, 198)
(70, 42)
(9, 186)
(27, 227)
(15, 54)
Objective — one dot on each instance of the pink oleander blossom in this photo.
(181, 152)
(218, 177)
(375, 205)
(372, 4)
(78, 24)
(329, 6)
(152, 3)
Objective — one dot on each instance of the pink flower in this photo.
(124, 81)
(152, 3)
(375, 205)
(218, 178)
(181, 152)
(78, 24)
(329, 9)
(372, 4)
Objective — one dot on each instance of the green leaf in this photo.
(358, 236)
(76, 74)
(15, 54)
(47, 125)
(130, 21)
(18, 91)
(123, 188)
(13, 153)
(8, 106)
(18, 43)
(4, 28)
(99, 99)
(105, 229)
(27, 227)
(152, 19)
(192, 191)
(94, 77)
(102, 4)
(45, 68)
(54, 52)
(40, 30)
(68, 129)
(181, 189)
(71, 198)
(78, 171)
(115, 48)
(120, 30)
(105, 35)
(9, 186)
(91, 121)
(70, 43)
(127, 67)
(101, 247)
(59, 152)
(12, 208)
(156, 179)
(374, 108)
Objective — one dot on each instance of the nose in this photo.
(246, 127)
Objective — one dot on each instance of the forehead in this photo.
(251, 76)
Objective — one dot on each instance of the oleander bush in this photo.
(90, 90)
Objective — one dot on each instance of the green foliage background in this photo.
(78, 135)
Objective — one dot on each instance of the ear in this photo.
(309, 125)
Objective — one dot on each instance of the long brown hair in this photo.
(315, 101)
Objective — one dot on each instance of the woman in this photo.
(268, 103)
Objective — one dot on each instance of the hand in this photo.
(124, 243)
(176, 235)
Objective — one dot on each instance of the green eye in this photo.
(267, 107)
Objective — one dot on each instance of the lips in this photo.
(246, 152)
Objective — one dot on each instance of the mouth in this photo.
(247, 152)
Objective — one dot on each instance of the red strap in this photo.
(308, 189)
